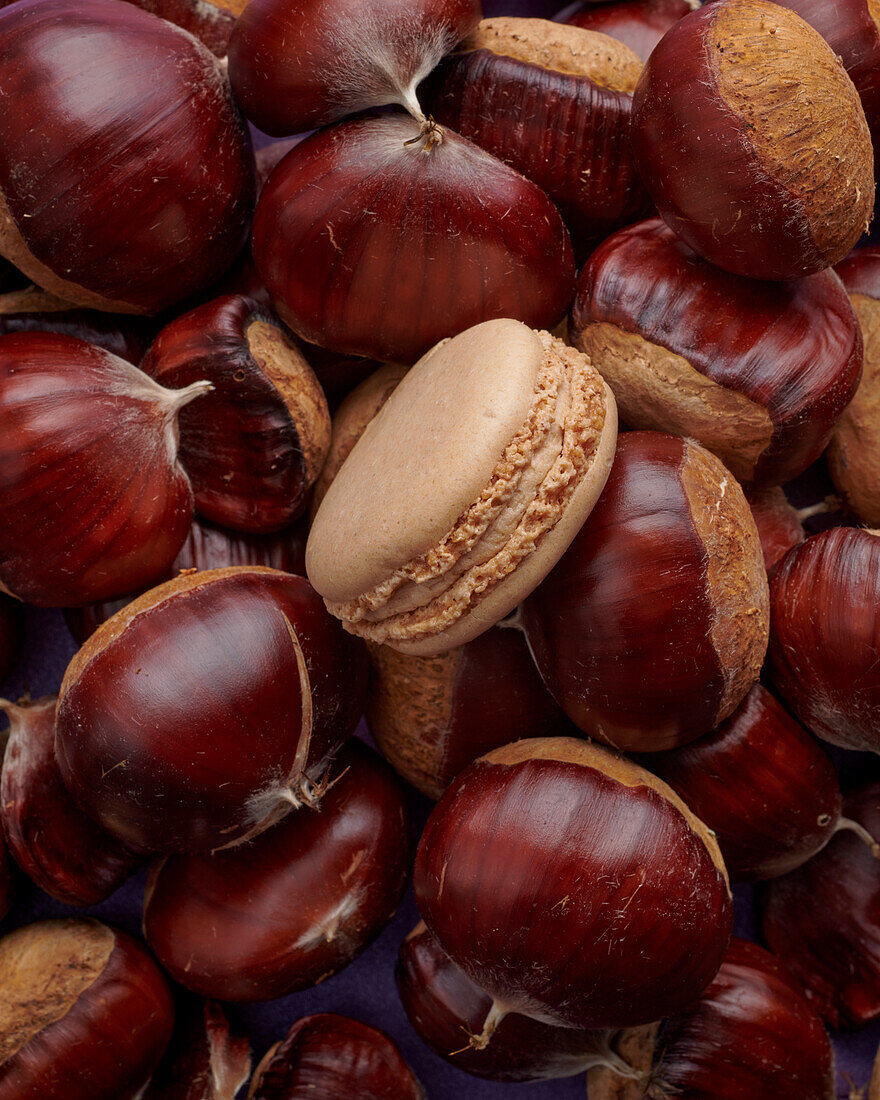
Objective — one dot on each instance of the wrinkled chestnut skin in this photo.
(823, 921)
(205, 1060)
(761, 783)
(639, 24)
(792, 349)
(298, 903)
(572, 887)
(326, 1057)
(445, 1006)
(432, 716)
(779, 526)
(60, 849)
(257, 443)
(429, 249)
(824, 655)
(11, 634)
(297, 68)
(623, 628)
(181, 723)
(109, 1040)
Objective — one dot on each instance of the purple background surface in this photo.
(366, 990)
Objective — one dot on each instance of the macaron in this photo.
(465, 489)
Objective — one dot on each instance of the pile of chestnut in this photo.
(193, 337)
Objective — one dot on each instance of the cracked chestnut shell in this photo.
(653, 625)
(757, 373)
(207, 709)
(296, 904)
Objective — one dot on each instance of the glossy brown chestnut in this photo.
(554, 102)
(822, 921)
(205, 1060)
(325, 1057)
(762, 784)
(381, 237)
(298, 903)
(653, 625)
(206, 710)
(93, 502)
(573, 887)
(297, 68)
(824, 654)
(85, 1013)
(151, 102)
(757, 373)
(11, 634)
(60, 849)
(779, 524)
(639, 24)
(445, 1007)
(432, 716)
(258, 443)
(744, 171)
(750, 1035)
(211, 21)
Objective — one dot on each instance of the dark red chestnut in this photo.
(93, 502)
(554, 102)
(205, 1060)
(750, 1036)
(445, 1007)
(573, 887)
(762, 784)
(85, 1015)
(380, 238)
(298, 903)
(779, 523)
(11, 634)
(141, 193)
(207, 709)
(639, 24)
(326, 1057)
(60, 849)
(432, 716)
(824, 652)
(744, 172)
(653, 625)
(756, 373)
(258, 443)
(297, 68)
(211, 21)
(823, 921)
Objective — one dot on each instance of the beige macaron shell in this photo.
(424, 459)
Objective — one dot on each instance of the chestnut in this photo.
(744, 172)
(554, 102)
(93, 502)
(779, 524)
(208, 708)
(762, 784)
(821, 921)
(206, 1059)
(380, 237)
(757, 373)
(639, 24)
(60, 849)
(259, 440)
(824, 655)
(750, 1036)
(326, 1057)
(86, 1014)
(297, 68)
(102, 204)
(298, 903)
(211, 21)
(653, 625)
(432, 716)
(573, 886)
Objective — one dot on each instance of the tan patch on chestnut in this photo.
(658, 389)
(560, 47)
(735, 575)
(44, 969)
(408, 708)
(32, 299)
(803, 116)
(636, 1048)
(854, 451)
(587, 754)
(286, 368)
